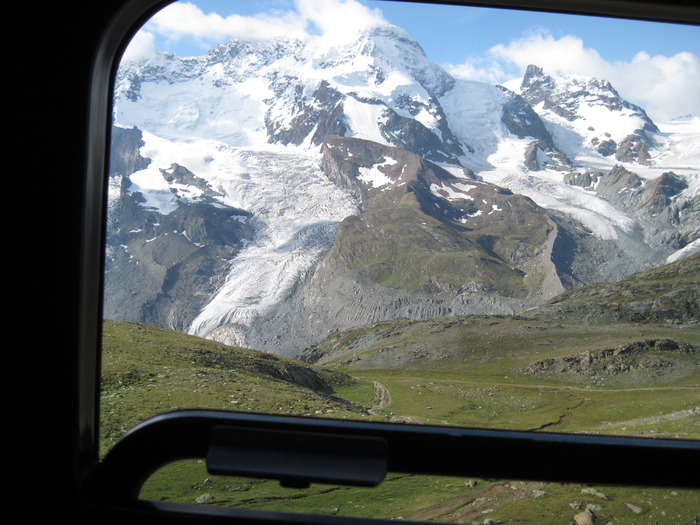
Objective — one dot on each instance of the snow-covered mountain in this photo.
(272, 191)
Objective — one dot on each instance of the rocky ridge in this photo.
(671, 217)
(668, 294)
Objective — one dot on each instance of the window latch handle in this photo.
(298, 458)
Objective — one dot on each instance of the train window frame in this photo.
(101, 477)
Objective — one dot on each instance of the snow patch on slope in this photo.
(692, 248)
(474, 111)
(376, 177)
(447, 192)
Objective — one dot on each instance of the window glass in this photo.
(410, 213)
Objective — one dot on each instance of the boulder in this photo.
(585, 518)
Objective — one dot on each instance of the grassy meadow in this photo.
(474, 378)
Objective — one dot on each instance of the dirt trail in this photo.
(382, 400)
(382, 397)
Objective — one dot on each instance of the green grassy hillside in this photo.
(149, 370)
(477, 376)
(399, 246)
(668, 293)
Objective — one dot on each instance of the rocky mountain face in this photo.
(574, 98)
(268, 193)
(671, 216)
(163, 268)
(424, 230)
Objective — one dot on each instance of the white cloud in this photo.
(665, 86)
(339, 21)
(335, 21)
(566, 55)
(141, 47)
(185, 20)
(480, 69)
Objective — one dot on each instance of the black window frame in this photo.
(112, 25)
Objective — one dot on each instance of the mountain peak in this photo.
(532, 73)
(392, 49)
(393, 34)
(572, 97)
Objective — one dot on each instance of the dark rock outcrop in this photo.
(659, 196)
(634, 148)
(618, 180)
(323, 114)
(649, 356)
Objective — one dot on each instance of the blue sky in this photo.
(655, 65)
